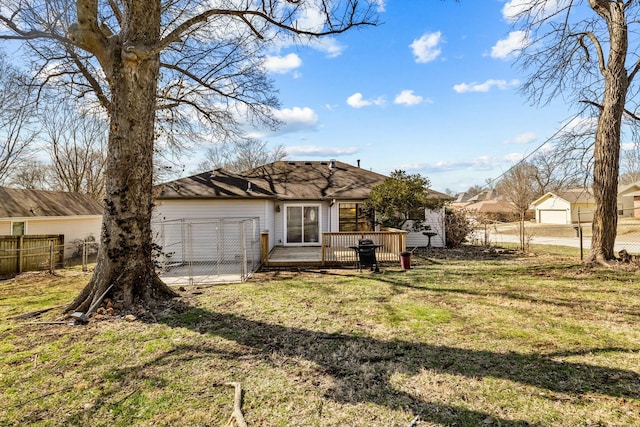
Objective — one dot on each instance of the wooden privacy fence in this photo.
(30, 253)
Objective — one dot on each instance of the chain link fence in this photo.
(576, 235)
(210, 250)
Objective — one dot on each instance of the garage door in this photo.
(550, 216)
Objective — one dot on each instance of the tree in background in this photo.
(16, 117)
(240, 155)
(190, 62)
(31, 175)
(401, 198)
(630, 165)
(520, 187)
(581, 50)
(76, 142)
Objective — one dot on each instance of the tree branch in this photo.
(244, 15)
(600, 107)
(633, 72)
(87, 34)
(596, 45)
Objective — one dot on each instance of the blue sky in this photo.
(432, 90)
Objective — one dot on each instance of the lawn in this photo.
(464, 338)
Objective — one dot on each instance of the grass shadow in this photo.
(361, 367)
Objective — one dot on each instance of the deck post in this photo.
(264, 247)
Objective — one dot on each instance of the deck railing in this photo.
(336, 245)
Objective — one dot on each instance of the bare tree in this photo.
(519, 187)
(193, 61)
(31, 175)
(76, 142)
(241, 155)
(16, 112)
(581, 49)
(554, 170)
(630, 165)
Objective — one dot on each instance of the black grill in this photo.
(366, 251)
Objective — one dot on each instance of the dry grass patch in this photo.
(463, 338)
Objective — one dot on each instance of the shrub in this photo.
(458, 227)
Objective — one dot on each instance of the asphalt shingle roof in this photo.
(17, 203)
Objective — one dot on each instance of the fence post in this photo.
(51, 258)
(264, 247)
(84, 255)
(19, 253)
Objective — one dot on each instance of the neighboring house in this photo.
(499, 210)
(565, 207)
(29, 212)
(295, 201)
(578, 204)
(629, 200)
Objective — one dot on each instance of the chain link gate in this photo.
(213, 250)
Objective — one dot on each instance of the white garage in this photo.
(566, 207)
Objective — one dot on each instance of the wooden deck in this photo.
(334, 249)
(291, 256)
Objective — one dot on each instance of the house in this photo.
(294, 201)
(38, 212)
(565, 207)
(578, 204)
(629, 200)
(486, 204)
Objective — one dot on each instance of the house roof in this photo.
(573, 195)
(491, 206)
(18, 203)
(632, 189)
(284, 180)
(293, 180)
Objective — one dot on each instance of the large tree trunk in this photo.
(125, 257)
(607, 143)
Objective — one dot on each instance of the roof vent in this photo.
(332, 164)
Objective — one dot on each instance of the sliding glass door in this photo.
(302, 224)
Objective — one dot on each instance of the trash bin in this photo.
(405, 260)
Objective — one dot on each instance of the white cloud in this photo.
(514, 8)
(511, 46)
(407, 97)
(523, 138)
(514, 157)
(282, 64)
(426, 48)
(293, 120)
(380, 5)
(486, 86)
(475, 165)
(357, 101)
(579, 126)
(316, 151)
(296, 118)
(327, 45)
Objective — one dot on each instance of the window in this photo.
(353, 217)
(17, 229)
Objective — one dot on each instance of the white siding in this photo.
(434, 218)
(5, 228)
(626, 204)
(73, 228)
(191, 209)
(582, 212)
